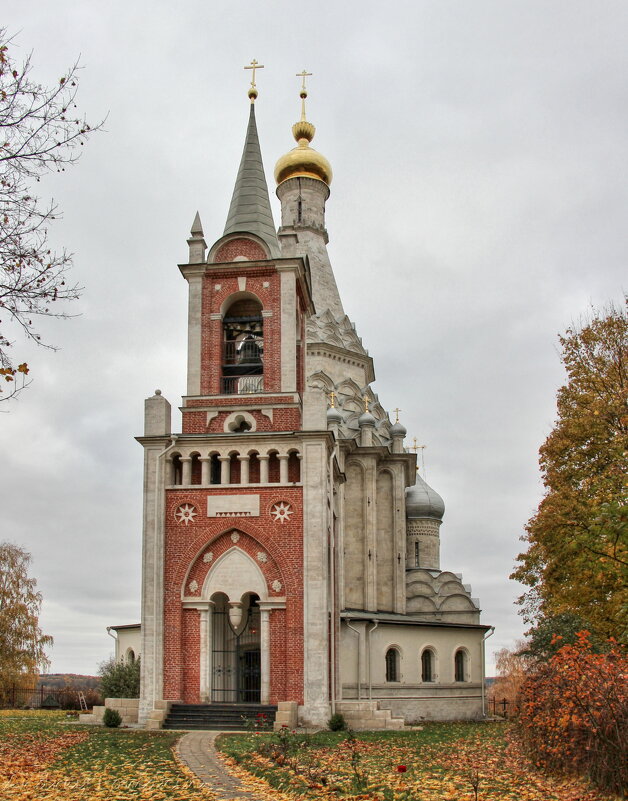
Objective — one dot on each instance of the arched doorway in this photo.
(236, 650)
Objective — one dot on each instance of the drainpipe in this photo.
(115, 638)
(332, 577)
(484, 639)
(370, 654)
(356, 631)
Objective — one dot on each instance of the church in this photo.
(290, 547)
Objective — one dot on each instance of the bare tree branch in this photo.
(40, 132)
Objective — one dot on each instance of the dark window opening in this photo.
(392, 665)
(214, 469)
(427, 666)
(177, 470)
(460, 665)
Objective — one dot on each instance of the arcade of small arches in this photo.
(233, 467)
(428, 665)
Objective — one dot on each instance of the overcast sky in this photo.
(479, 206)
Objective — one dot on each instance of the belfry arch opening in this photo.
(243, 347)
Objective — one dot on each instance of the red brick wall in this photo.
(184, 549)
(287, 418)
(240, 247)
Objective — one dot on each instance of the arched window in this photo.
(243, 348)
(214, 469)
(130, 655)
(196, 468)
(177, 469)
(460, 665)
(392, 664)
(427, 665)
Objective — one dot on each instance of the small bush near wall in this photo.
(120, 679)
(337, 722)
(111, 718)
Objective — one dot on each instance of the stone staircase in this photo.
(222, 717)
(365, 715)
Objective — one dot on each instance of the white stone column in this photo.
(186, 473)
(244, 469)
(264, 655)
(205, 470)
(225, 469)
(204, 648)
(283, 468)
(169, 477)
(263, 469)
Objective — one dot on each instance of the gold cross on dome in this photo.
(396, 411)
(303, 74)
(254, 65)
(366, 403)
(332, 398)
(415, 447)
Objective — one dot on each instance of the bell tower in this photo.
(223, 577)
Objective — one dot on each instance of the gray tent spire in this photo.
(250, 210)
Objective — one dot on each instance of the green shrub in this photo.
(120, 679)
(337, 722)
(111, 718)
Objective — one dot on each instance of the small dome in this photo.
(333, 416)
(423, 501)
(397, 430)
(303, 162)
(366, 419)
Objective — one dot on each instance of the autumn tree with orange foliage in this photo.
(574, 714)
(22, 642)
(577, 556)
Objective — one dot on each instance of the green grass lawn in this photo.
(442, 761)
(45, 758)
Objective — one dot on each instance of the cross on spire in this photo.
(254, 65)
(396, 411)
(303, 74)
(303, 94)
(332, 398)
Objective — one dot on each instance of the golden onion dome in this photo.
(303, 161)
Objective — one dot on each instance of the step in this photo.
(232, 717)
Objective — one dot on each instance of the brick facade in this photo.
(185, 549)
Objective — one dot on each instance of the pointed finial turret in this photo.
(197, 228)
(196, 243)
(253, 88)
(303, 161)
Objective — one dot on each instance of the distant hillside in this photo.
(58, 681)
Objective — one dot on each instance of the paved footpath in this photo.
(198, 751)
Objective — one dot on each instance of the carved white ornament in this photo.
(276, 585)
(261, 556)
(235, 536)
(193, 586)
(185, 513)
(281, 512)
(207, 557)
